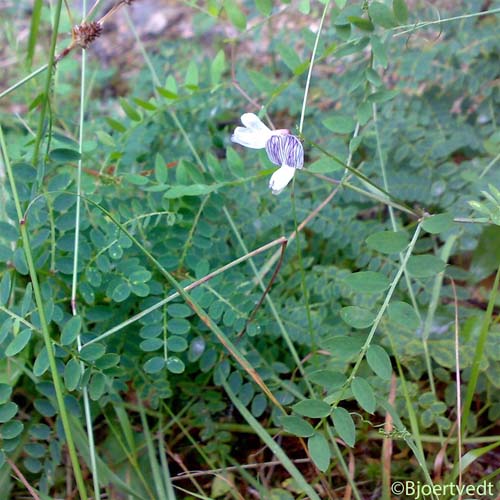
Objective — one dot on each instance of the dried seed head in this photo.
(84, 34)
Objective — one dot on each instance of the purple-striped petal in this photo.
(285, 149)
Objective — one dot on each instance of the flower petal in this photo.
(285, 149)
(254, 134)
(249, 138)
(253, 122)
(280, 179)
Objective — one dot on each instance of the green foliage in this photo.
(162, 179)
(344, 425)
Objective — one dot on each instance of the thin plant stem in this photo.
(128, 454)
(294, 205)
(343, 465)
(270, 303)
(48, 81)
(192, 231)
(153, 462)
(193, 285)
(365, 179)
(269, 441)
(44, 324)
(311, 65)
(380, 313)
(424, 24)
(183, 475)
(16, 317)
(24, 80)
(458, 385)
(92, 10)
(479, 353)
(436, 289)
(23, 479)
(488, 167)
(391, 210)
(267, 266)
(362, 192)
(303, 283)
(412, 415)
(268, 288)
(74, 279)
(197, 309)
(196, 445)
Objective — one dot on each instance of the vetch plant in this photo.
(95, 327)
(283, 149)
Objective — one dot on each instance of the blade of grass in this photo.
(162, 452)
(436, 290)
(153, 462)
(48, 81)
(479, 353)
(105, 473)
(193, 285)
(130, 454)
(402, 433)
(36, 15)
(24, 80)
(44, 324)
(458, 384)
(198, 310)
(273, 446)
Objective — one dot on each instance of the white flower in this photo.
(280, 179)
(283, 148)
(254, 134)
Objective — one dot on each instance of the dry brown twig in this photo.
(23, 480)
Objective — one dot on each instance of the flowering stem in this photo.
(301, 125)
(74, 280)
(311, 64)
